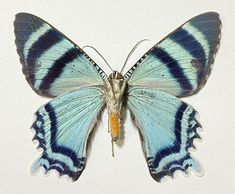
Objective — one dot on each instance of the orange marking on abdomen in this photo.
(114, 122)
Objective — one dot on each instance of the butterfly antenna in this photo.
(132, 50)
(88, 46)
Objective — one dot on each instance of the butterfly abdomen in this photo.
(115, 125)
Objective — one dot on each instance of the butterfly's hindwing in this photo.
(168, 127)
(62, 128)
(51, 62)
(181, 63)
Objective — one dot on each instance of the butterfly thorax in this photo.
(115, 89)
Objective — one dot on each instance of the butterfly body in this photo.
(115, 89)
(178, 66)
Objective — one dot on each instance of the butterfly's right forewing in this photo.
(180, 63)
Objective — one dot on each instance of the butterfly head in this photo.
(116, 75)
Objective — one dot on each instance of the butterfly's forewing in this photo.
(168, 127)
(181, 63)
(51, 62)
(62, 128)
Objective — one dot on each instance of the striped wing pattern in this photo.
(168, 127)
(181, 63)
(51, 62)
(62, 128)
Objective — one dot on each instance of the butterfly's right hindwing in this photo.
(62, 128)
(168, 127)
(51, 62)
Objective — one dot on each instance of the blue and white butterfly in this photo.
(177, 66)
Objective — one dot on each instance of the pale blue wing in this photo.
(52, 63)
(168, 127)
(181, 63)
(62, 128)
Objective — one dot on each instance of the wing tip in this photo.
(25, 15)
(213, 14)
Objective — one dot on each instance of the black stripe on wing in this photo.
(44, 42)
(174, 68)
(189, 43)
(57, 68)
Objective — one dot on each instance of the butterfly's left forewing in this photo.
(52, 63)
(168, 127)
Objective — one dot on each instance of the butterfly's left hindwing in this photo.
(62, 128)
(168, 127)
(52, 63)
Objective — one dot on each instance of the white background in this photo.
(113, 27)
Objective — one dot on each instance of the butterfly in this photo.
(177, 66)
